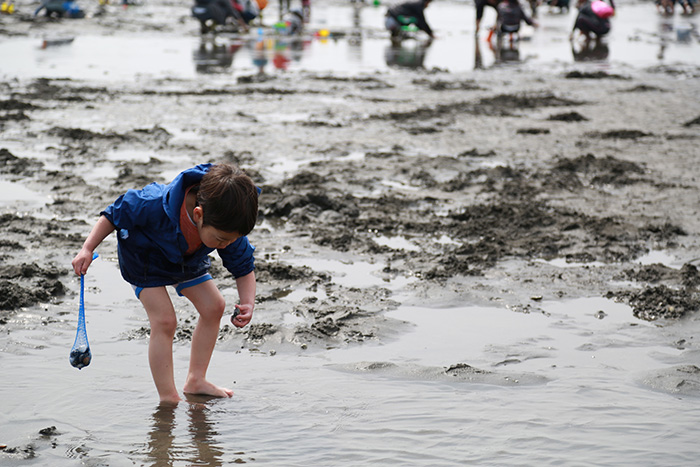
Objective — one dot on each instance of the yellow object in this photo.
(4, 7)
(11, 8)
(324, 33)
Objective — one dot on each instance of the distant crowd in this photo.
(592, 20)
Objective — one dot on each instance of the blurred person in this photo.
(594, 19)
(405, 14)
(563, 5)
(510, 16)
(286, 6)
(294, 21)
(480, 5)
(213, 13)
(247, 9)
(59, 8)
(688, 6)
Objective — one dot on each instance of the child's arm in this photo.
(246, 294)
(82, 260)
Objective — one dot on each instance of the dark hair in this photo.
(229, 199)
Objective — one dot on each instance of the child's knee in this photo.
(166, 325)
(214, 309)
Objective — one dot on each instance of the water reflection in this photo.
(355, 34)
(164, 449)
(669, 32)
(213, 57)
(280, 51)
(504, 52)
(407, 54)
(590, 50)
(288, 50)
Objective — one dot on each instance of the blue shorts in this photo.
(180, 286)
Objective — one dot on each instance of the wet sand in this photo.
(487, 265)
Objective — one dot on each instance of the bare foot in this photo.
(169, 401)
(206, 388)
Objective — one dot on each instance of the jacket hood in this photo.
(175, 190)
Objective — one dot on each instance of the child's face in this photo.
(210, 236)
(215, 238)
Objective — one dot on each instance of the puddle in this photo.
(660, 257)
(486, 337)
(396, 243)
(358, 44)
(281, 168)
(352, 273)
(131, 155)
(563, 263)
(445, 240)
(15, 195)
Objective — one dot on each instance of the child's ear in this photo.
(197, 214)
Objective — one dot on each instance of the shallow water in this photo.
(565, 388)
(358, 44)
(21, 197)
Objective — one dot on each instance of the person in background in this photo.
(213, 13)
(594, 18)
(286, 6)
(165, 234)
(563, 5)
(404, 14)
(480, 5)
(688, 6)
(294, 20)
(510, 15)
(248, 10)
(59, 8)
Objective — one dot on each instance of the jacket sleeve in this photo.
(238, 257)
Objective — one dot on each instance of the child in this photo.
(165, 233)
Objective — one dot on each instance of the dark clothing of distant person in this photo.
(480, 5)
(510, 14)
(216, 10)
(414, 10)
(588, 21)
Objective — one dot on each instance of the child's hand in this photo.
(242, 315)
(82, 261)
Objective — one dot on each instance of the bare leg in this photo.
(210, 304)
(161, 315)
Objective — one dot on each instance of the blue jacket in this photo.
(151, 245)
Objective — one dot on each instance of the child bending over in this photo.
(165, 234)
